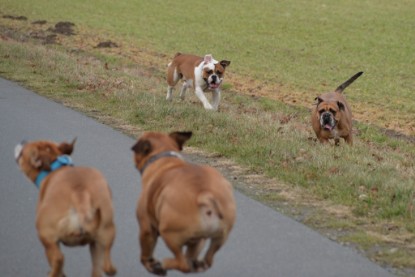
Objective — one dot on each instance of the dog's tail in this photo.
(82, 218)
(340, 88)
(210, 212)
(177, 54)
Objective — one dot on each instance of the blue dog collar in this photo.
(61, 161)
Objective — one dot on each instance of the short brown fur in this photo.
(334, 104)
(74, 207)
(184, 203)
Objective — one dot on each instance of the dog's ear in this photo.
(318, 100)
(341, 105)
(142, 147)
(67, 148)
(38, 162)
(225, 63)
(207, 59)
(181, 138)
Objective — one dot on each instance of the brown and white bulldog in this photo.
(332, 117)
(74, 205)
(186, 204)
(202, 73)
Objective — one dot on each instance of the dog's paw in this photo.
(199, 266)
(158, 269)
(153, 266)
(111, 271)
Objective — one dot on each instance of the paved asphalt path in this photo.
(263, 242)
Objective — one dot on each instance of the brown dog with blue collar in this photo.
(74, 206)
(184, 203)
(332, 117)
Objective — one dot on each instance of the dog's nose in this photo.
(214, 77)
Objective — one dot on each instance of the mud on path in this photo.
(293, 202)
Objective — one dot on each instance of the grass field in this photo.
(292, 47)
(286, 51)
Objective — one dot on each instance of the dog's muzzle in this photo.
(327, 121)
(213, 82)
(18, 149)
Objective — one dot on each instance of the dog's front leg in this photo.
(349, 139)
(148, 240)
(202, 97)
(216, 99)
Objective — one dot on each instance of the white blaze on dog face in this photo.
(213, 72)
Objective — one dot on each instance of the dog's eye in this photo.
(333, 111)
(210, 72)
(218, 72)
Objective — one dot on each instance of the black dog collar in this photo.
(159, 156)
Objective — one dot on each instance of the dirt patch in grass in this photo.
(63, 28)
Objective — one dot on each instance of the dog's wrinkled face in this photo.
(213, 71)
(33, 157)
(329, 113)
(152, 143)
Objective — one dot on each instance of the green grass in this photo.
(303, 46)
(251, 132)
(308, 46)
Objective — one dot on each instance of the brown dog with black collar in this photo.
(74, 206)
(184, 203)
(332, 117)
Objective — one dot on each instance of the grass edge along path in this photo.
(121, 95)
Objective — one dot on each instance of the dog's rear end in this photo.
(196, 206)
(184, 203)
(74, 206)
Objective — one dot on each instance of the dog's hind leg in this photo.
(172, 78)
(55, 258)
(215, 245)
(109, 267)
(192, 254)
(179, 262)
(185, 86)
(148, 239)
(101, 252)
(169, 96)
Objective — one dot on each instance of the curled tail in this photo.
(211, 213)
(340, 88)
(177, 54)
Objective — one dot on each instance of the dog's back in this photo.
(69, 200)
(183, 65)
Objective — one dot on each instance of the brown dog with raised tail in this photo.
(186, 204)
(332, 117)
(74, 206)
